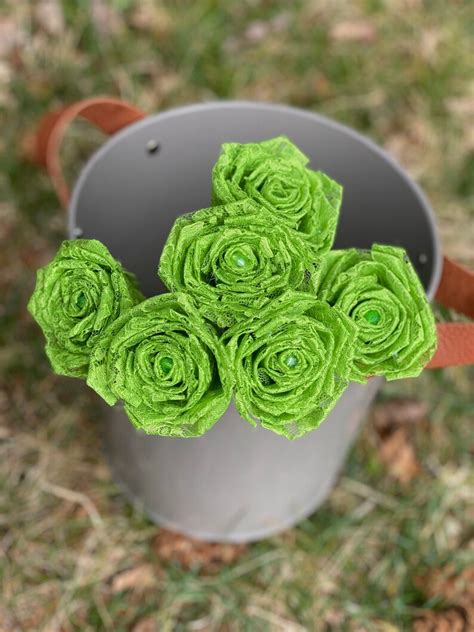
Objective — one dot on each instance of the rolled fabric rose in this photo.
(166, 364)
(291, 363)
(76, 297)
(381, 292)
(273, 173)
(233, 259)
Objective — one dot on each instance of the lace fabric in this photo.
(291, 363)
(77, 296)
(274, 174)
(233, 259)
(381, 292)
(166, 364)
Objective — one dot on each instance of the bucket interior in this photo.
(132, 190)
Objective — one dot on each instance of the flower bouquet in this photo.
(260, 308)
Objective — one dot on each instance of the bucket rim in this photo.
(275, 107)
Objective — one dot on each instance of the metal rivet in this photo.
(152, 146)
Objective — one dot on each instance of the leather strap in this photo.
(456, 288)
(455, 345)
(455, 340)
(106, 113)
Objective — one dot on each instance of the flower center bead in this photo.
(240, 261)
(166, 364)
(81, 300)
(291, 361)
(372, 317)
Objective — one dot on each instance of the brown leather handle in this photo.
(455, 340)
(106, 113)
(455, 345)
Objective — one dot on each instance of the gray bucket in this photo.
(237, 483)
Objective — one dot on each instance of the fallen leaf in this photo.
(8, 220)
(334, 619)
(192, 553)
(257, 31)
(7, 621)
(428, 44)
(452, 620)
(281, 22)
(150, 17)
(322, 86)
(464, 106)
(27, 145)
(411, 141)
(5, 433)
(49, 16)
(385, 626)
(148, 624)
(36, 256)
(393, 421)
(456, 228)
(456, 588)
(138, 578)
(407, 5)
(361, 31)
(105, 18)
(11, 36)
(6, 74)
(398, 454)
(397, 412)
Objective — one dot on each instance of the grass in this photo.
(399, 71)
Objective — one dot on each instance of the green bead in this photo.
(240, 261)
(81, 300)
(372, 317)
(291, 361)
(166, 364)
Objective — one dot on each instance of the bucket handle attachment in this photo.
(108, 114)
(456, 288)
(455, 340)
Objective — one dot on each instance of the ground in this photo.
(392, 547)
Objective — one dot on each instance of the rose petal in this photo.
(274, 174)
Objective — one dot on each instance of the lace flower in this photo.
(76, 297)
(167, 366)
(381, 292)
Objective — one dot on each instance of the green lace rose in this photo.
(167, 366)
(273, 173)
(381, 292)
(76, 297)
(291, 363)
(233, 259)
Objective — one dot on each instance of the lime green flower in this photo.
(291, 363)
(76, 297)
(273, 173)
(167, 366)
(382, 294)
(233, 259)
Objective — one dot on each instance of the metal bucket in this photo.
(237, 483)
